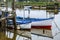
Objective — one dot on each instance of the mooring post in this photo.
(14, 17)
(6, 3)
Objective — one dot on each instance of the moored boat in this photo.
(44, 23)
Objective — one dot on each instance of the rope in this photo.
(56, 26)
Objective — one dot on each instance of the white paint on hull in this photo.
(25, 26)
(22, 26)
(42, 23)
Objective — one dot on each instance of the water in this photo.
(33, 14)
(13, 35)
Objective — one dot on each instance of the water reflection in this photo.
(12, 35)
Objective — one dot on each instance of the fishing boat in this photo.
(39, 23)
(44, 23)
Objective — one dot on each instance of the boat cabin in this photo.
(27, 7)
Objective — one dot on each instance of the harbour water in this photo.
(10, 34)
(7, 35)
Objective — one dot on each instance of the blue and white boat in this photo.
(45, 23)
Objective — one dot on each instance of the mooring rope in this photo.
(57, 28)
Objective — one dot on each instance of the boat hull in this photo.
(46, 24)
(25, 26)
(21, 26)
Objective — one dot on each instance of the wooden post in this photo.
(6, 5)
(13, 11)
(14, 37)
